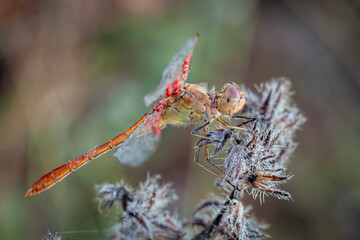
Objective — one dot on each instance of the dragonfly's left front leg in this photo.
(239, 127)
(205, 126)
(249, 119)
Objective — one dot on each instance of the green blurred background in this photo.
(73, 75)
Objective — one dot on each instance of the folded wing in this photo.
(174, 70)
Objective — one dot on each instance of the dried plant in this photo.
(254, 162)
(145, 214)
(50, 236)
(226, 219)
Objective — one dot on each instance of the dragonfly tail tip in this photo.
(30, 192)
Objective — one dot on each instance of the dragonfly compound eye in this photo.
(231, 99)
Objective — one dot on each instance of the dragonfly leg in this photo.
(225, 124)
(210, 162)
(196, 159)
(242, 117)
(195, 134)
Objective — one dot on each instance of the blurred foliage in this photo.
(73, 74)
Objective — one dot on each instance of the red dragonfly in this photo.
(178, 103)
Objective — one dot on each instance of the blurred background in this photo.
(73, 75)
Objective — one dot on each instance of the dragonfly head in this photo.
(231, 99)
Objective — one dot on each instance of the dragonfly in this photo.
(177, 103)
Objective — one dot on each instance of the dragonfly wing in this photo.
(172, 71)
(140, 144)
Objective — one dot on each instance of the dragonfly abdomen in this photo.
(56, 175)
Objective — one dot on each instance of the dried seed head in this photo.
(228, 220)
(50, 236)
(258, 162)
(240, 224)
(145, 213)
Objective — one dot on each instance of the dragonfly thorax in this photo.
(196, 103)
(193, 104)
